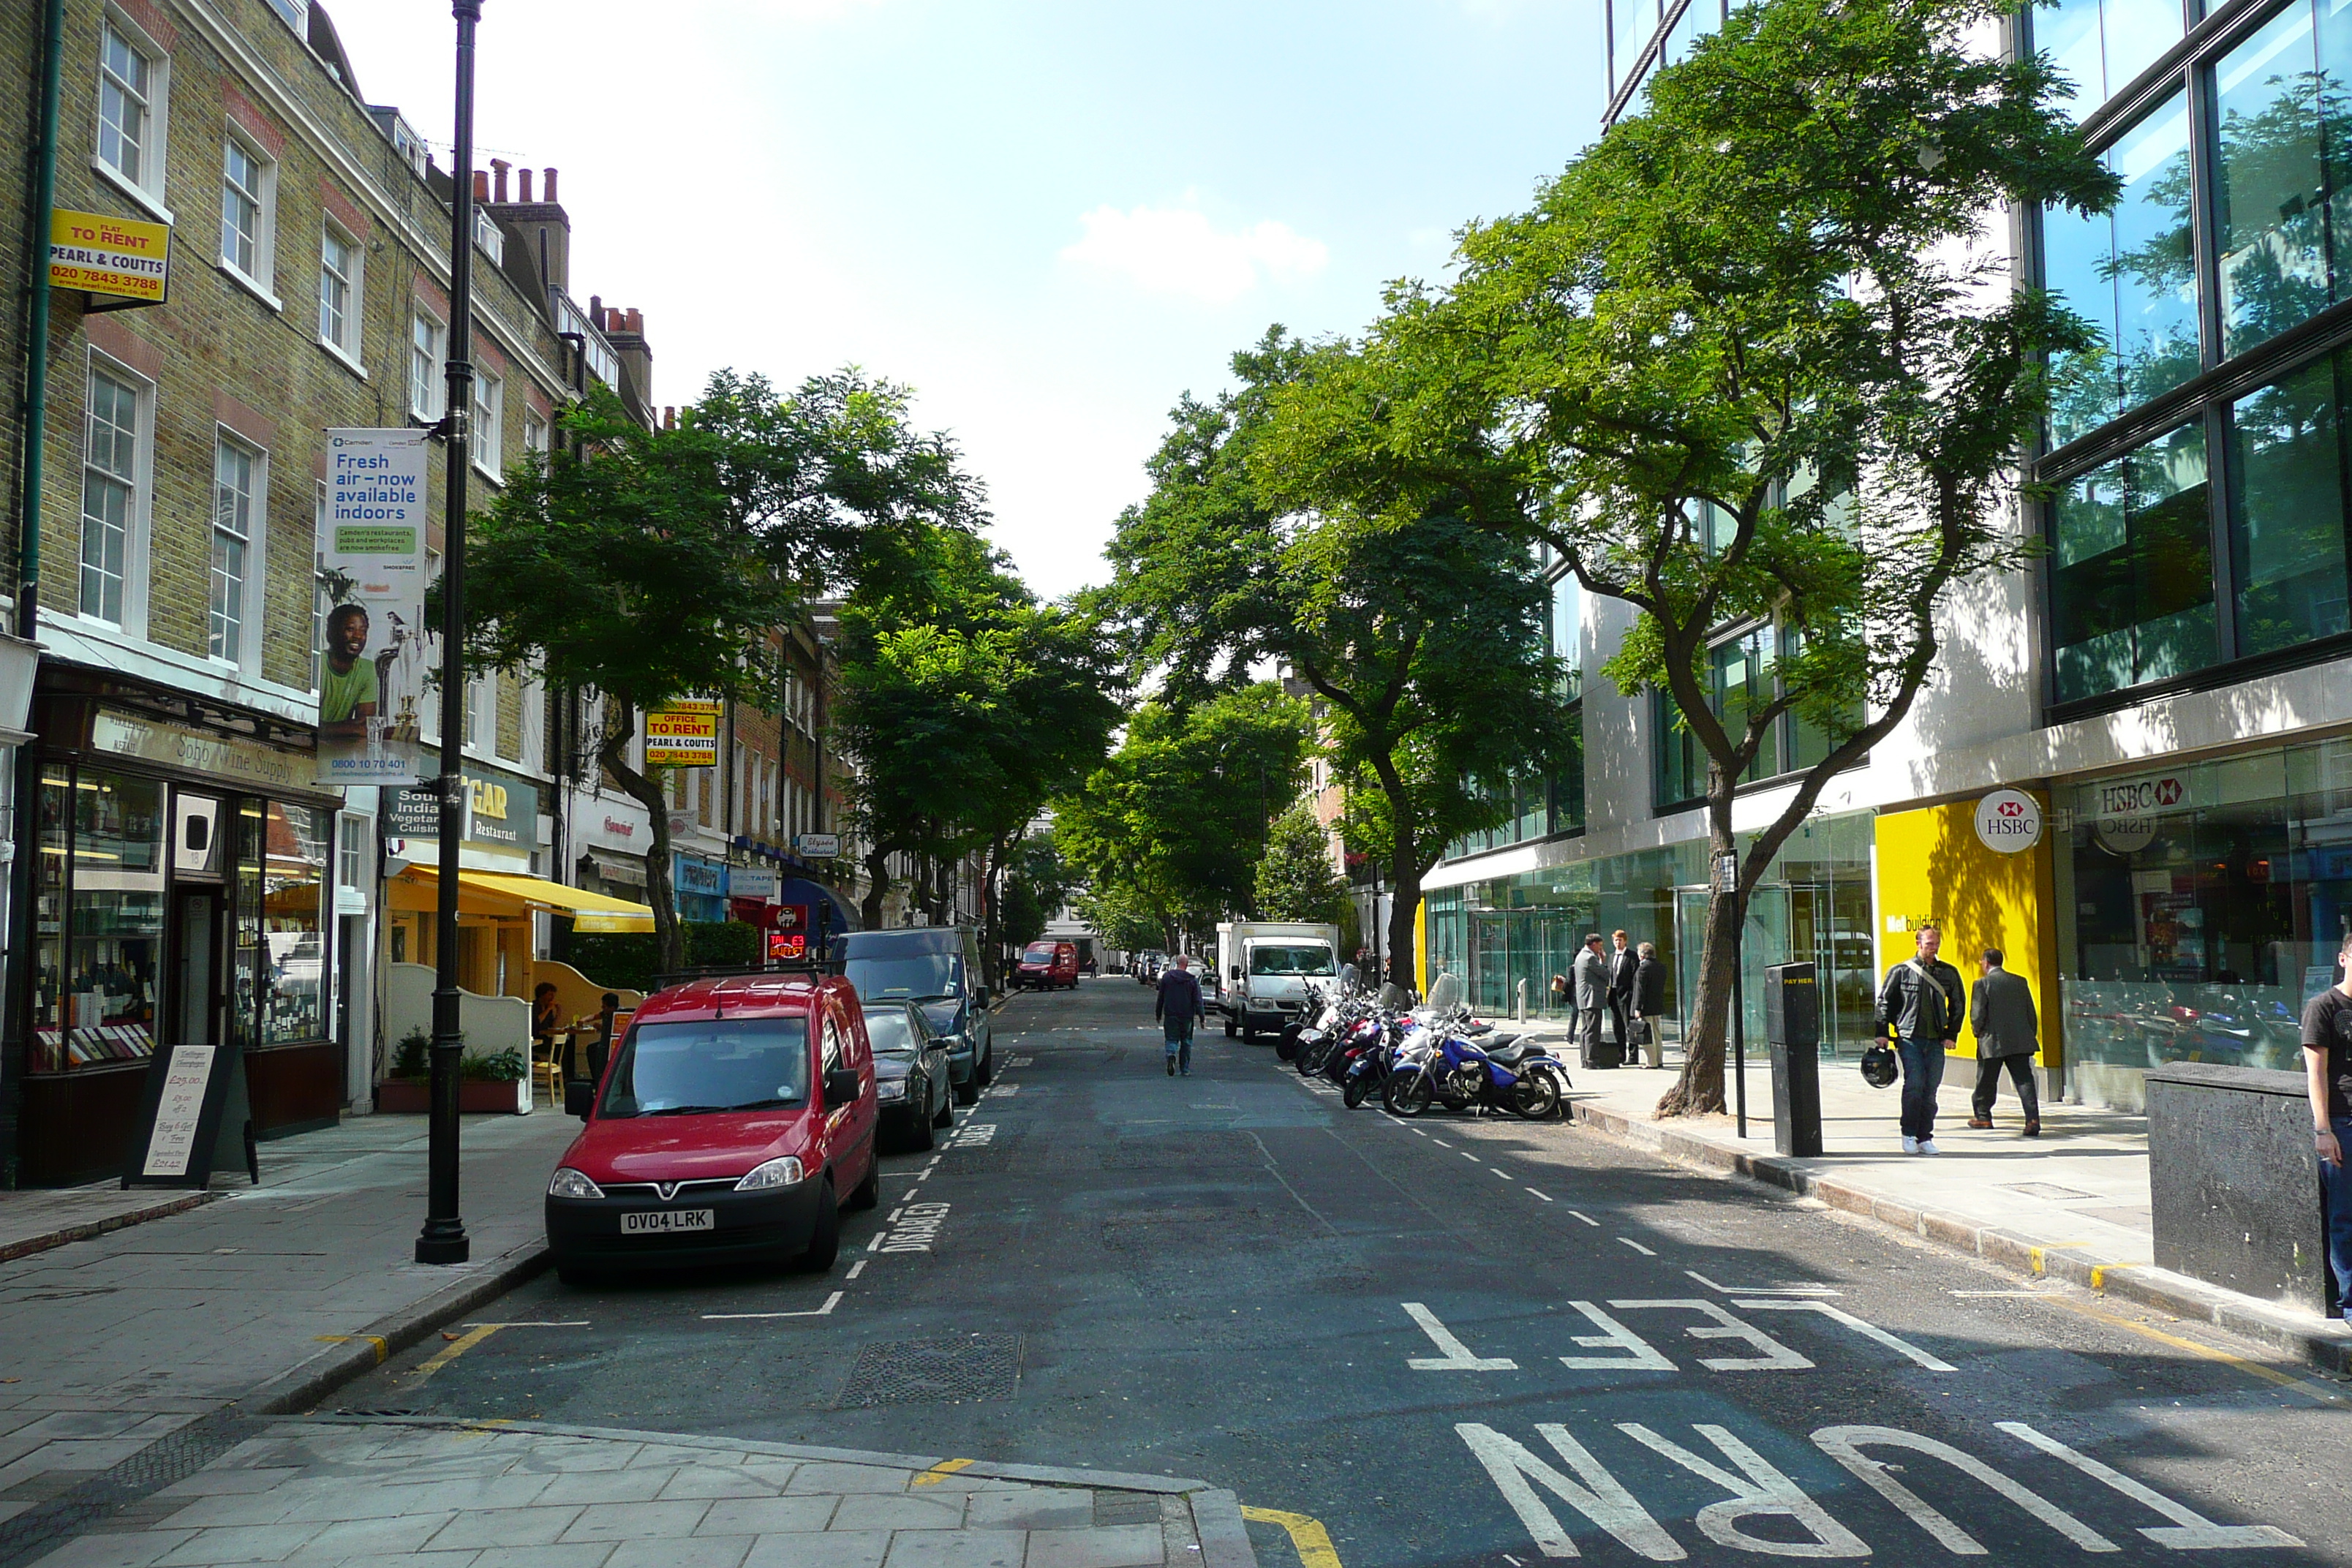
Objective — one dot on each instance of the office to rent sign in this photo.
(683, 735)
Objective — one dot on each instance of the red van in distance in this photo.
(1047, 966)
(734, 1122)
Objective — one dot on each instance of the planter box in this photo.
(476, 1096)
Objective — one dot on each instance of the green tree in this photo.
(1750, 362)
(1037, 883)
(1414, 628)
(650, 565)
(1294, 877)
(1125, 923)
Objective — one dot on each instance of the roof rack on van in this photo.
(666, 978)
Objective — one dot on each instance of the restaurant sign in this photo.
(119, 262)
(501, 812)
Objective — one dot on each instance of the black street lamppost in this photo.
(442, 1239)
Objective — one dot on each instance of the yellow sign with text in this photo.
(115, 257)
(683, 735)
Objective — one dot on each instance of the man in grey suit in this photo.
(2008, 1034)
(1591, 1000)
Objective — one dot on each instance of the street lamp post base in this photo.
(450, 1246)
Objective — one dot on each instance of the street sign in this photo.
(1726, 872)
(817, 845)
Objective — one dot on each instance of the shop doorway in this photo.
(198, 969)
(1764, 940)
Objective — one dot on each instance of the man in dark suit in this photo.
(2008, 1034)
(1622, 967)
(1591, 971)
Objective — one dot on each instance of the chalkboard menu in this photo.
(195, 1116)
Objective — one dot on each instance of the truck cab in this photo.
(1264, 969)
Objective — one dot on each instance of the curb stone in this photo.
(2313, 1341)
(65, 1235)
(1216, 1512)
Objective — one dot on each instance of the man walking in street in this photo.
(1920, 1006)
(1178, 1006)
(2327, 1077)
(2008, 1034)
(1592, 997)
(1621, 967)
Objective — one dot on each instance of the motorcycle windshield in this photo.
(1445, 994)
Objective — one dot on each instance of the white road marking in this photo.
(1638, 1355)
(1439, 1142)
(1763, 1492)
(1585, 1217)
(1599, 1497)
(1540, 1194)
(1777, 1357)
(565, 1323)
(879, 1237)
(2188, 1531)
(1769, 1289)
(827, 1311)
(1498, 1173)
(1991, 1295)
(1844, 1443)
(1636, 1247)
(857, 1268)
(1467, 1155)
(1869, 1331)
(1458, 1357)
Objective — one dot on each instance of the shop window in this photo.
(100, 915)
(2131, 588)
(293, 950)
(2131, 273)
(2101, 45)
(2287, 513)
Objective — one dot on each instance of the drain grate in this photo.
(171, 1458)
(934, 1372)
(1125, 1507)
(2047, 1190)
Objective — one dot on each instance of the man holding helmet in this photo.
(1921, 1006)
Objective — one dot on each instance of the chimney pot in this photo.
(481, 185)
(524, 178)
(551, 186)
(636, 321)
(500, 167)
(595, 304)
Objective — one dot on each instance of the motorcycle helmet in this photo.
(1879, 1068)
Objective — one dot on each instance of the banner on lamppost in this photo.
(372, 561)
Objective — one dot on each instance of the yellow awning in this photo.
(589, 911)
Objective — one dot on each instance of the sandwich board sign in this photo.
(195, 1115)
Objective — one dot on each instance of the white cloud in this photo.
(1176, 250)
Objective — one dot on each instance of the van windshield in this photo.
(1314, 959)
(1038, 953)
(680, 1070)
(908, 977)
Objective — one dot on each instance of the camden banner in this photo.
(372, 560)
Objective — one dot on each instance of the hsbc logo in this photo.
(2011, 808)
(2008, 821)
(2138, 798)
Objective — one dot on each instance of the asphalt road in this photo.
(1451, 1342)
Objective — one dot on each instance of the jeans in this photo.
(1923, 1075)
(2021, 1073)
(1180, 1043)
(2335, 1186)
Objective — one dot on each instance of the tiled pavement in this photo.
(347, 1493)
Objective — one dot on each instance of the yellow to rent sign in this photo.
(119, 257)
(683, 735)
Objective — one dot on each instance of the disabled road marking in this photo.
(1458, 1357)
(825, 1312)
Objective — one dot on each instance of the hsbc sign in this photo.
(2008, 821)
(2141, 796)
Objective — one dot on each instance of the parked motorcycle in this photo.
(1491, 1073)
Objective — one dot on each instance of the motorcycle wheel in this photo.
(1536, 1097)
(1407, 1094)
(1287, 1048)
(1359, 1088)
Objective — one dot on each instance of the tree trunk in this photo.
(670, 937)
(991, 918)
(1708, 1028)
(877, 885)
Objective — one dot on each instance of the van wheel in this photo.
(868, 1193)
(824, 1241)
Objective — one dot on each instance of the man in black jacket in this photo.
(1622, 967)
(1177, 1006)
(1921, 1006)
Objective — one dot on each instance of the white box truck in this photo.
(1264, 968)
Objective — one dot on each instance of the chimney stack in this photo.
(481, 185)
(551, 186)
(669, 418)
(636, 321)
(523, 176)
(500, 167)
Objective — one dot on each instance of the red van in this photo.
(1047, 964)
(734, 1122)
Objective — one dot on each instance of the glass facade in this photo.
(2131, 581)
(2101, 45)
(2279, 164)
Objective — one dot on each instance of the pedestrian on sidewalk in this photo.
(1178, 1007)
(1592, 998)
(1650, 1004)
(2008, 1034)
(1623, 966)
(2328, 1073)
(1920, 1007)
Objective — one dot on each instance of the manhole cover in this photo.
(934, 1372)
(2046, 1190)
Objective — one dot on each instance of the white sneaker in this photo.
(1910, 1145)
(1928, 1146)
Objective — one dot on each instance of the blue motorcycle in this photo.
(1498, 1072)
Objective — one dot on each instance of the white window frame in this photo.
(242, 593)
(427, 397)
(147, 185)
(350, 857)
(534, 432)
(345, 345)
(133, 601)
(260, 278)
(320, 600)
(489, 442)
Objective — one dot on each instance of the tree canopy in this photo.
(1295, 881)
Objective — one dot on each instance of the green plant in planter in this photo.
(501, 1067)
(409, 1058)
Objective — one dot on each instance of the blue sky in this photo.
(1049, 219)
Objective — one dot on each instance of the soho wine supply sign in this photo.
(2008, 821)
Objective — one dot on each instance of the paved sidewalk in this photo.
(2072, 1204)
(325, 1493)
(255, 1300)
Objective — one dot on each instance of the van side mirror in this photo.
(579, 1097)
(1235, 973)
(981, 999)
(840, 1088)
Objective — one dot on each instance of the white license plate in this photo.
(661, 1222)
